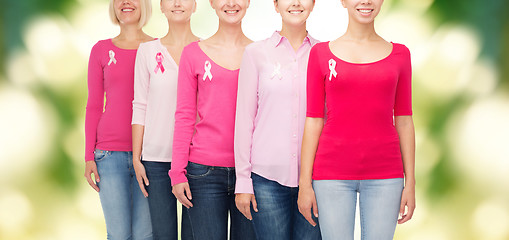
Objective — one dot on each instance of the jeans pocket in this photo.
(99, 155)
(196, 171)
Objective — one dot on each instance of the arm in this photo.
(185, 120)
(405, 127)
(141, 88)
(94, 110)
(247, 106)
(306, 200)
(312, 130)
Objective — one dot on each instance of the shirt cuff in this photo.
(244, 186)
(177, 177)
(138, 118)
(89, 157)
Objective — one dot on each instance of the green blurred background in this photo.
(460, 54)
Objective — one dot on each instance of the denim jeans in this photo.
(125, 208)
(379, 202)
(163, 204)
(278, 216)
(212, 189)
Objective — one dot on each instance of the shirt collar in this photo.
(276, 39)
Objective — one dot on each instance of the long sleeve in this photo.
(95, 101)
(403, 101)
(247, 105)
(185, 118)
(315, 86)
(141, 87)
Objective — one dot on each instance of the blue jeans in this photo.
(125, 208)
(379, 202)
(212, 189)
(163, 204)
(278, 216)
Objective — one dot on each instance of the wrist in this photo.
(410, 182)
(305, 184)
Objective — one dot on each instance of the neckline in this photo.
(367, 63)
(212, 61)
(124, 49)
(165, 50)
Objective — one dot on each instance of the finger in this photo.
(409, 214)
(255, 205)
(307, 216)
(183, 199)
(96, 175)
(142, 188)
(402, 209)
(188, 192)
(145, 179)
(247, 212)
(315, 209)
(92, 184)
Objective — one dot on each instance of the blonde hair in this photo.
(145, 8)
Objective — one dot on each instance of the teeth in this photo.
(365, 10)
(231, 11)
(295, 11)
(127, 10)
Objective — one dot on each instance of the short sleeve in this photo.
(403, 100)
(315, 88)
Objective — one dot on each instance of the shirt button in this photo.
(295, 59)
(294, 155)
(295, 75)
(294, 115)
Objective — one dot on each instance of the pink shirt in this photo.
(155, 99)
(359, 140)
(110, 76)
(211, 91)
(271, 110)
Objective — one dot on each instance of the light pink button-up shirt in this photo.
(155, 99)
(271, 110)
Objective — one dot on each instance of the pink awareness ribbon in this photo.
(159, 59)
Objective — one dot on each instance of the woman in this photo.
(108, 150)
(155, 97)
(202, 170)
(271, 108)
(367, 144)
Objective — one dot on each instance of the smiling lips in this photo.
(127, 9)
(365, 11)
(231, 11)
(295, 12)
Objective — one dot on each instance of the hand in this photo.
(408, 200)
(183, 194)
(243, 202)
(91, 167)
(307, 203)
(141, 176)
